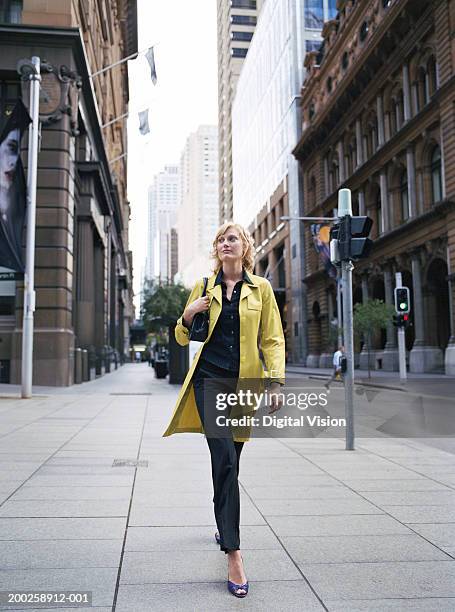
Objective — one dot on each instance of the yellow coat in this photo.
(259, 321)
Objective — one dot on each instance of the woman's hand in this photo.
(199, 305)
(276, 398)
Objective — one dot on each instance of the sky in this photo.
(183, 34)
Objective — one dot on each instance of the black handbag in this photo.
(200, 324)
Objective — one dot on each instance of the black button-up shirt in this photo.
(223, 348)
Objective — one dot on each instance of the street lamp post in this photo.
(30, 70)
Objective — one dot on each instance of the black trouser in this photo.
(224, 453)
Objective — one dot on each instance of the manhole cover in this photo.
(130, 463)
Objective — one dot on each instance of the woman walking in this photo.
(242, 308)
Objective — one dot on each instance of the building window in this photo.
(312, 45)
(363, 32)
(432, 76)
(332, 8)
(239, 52)
(10, 91)
(243, 20)
(314, 14)
(345, 60)
(7, 305)
(386, 3)
(436, 175)
(329, 84)
(404, 195)
(423, 87)
(246, 36)
(311, 111)
(244, 4)
(10, 11)
(379, 213)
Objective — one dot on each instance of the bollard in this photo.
(85, 371)
(77, 366)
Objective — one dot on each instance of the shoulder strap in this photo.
(206, 280)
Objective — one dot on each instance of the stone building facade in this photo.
(83, 266)
(273, 256)
(378, 117)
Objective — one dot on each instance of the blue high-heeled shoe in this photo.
(235, 588)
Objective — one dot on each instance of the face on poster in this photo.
(9, 156)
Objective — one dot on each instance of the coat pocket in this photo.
(254, 303)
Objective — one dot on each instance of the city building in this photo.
(377, 117)
(163, 201)
(197, 217)
(236, 21)
(83, 266)
(265, 129)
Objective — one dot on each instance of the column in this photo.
(363, 358)
(85, 285)
(450, 350)
(418, 299)
(406, 93)
(415, 97)
(341, 160)
(390, 354)
(361, 203)
(380, 112)
(385, 221)
(359, 142)
(326, 176)
(411, 173)
(422, 358)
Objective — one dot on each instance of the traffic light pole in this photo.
(348, 316)
(401, 339)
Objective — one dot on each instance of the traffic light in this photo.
(349, 239)
(402, 300)
(334, 252)
(401, 320)
(360, 243)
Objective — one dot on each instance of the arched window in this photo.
(400, 110)
(432, 76)
(424, 93)
(404, 195)
(379, 213)
(335, 173)
(436, 174)
(393, 118)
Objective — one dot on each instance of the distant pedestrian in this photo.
(337, 371)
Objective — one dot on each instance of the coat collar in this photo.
(214, 286)
(245, 277)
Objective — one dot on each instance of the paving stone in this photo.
(359, 548)
(382, 580)
(292, 596)
(62, 528)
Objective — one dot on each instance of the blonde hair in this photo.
(249, 252)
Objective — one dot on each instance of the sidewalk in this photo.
(427, 384)
(322, 528)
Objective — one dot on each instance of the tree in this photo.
(371, 317)
(163, 304)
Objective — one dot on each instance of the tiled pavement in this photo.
(322, 528)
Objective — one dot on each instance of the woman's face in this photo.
(229, 245)
(9, 154)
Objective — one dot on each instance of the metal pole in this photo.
(339, 309)
(345, 210)
(29, 278)
(347, 268)
(401, 339)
